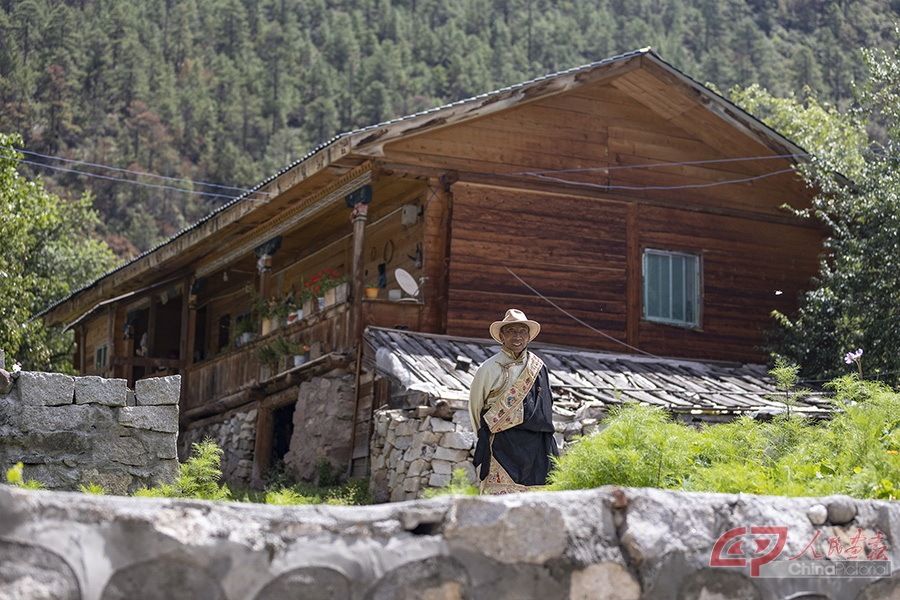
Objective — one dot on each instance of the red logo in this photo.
(752, 545)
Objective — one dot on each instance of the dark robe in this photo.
(524, 451)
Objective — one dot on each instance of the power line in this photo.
(129, 181)
(669, 164)
(576, 319)
(139, 173)
(601, 186)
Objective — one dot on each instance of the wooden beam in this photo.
(303, 210)
(581, 190)
(358, 218)
(436, 255)
(151, 326)
(633, 277)
(195, 237)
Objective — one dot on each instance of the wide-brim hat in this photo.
(513, 317)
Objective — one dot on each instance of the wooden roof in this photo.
(426, 363)
(303, 179)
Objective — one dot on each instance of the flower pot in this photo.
(300, 359)
(337, 294)
(371, 293)
(310, 305)
(268, 325)
(295, 316)
(320, 303)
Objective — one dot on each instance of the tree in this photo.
(853, 303)
(48, 251)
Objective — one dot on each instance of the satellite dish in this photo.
(406, 282)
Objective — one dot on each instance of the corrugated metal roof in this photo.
(426, 363)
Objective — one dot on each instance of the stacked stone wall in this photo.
(323, 425)
(602, 544)
(235, 433)
(419, 448)
(72, 431)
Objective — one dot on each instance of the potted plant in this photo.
(308, 302)
(329, 287)
(268, 358)
(302, 355)
(245, 330)
(372, 292)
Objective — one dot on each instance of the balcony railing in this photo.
(240, 370)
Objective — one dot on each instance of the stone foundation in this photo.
(72, 431)
(235, 433)
(323, 422)
(415, 449)
(600, 544)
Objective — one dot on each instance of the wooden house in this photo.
(622, 204)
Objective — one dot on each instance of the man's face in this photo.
(514, 337)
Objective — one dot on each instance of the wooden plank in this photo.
(632, 277)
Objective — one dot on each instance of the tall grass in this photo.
(855, 453)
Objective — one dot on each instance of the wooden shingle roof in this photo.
(427, 363)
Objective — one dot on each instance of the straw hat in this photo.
(514, 316)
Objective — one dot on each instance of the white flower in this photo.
(16, 368)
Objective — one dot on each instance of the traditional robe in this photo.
(511, 407)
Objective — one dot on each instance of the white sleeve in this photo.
(476, 396)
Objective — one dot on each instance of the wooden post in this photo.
(358, 217)
(436, 255)
(262, 449)
(188, 333)
(632, 277)
(188, 322)
(151, 329)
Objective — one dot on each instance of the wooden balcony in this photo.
(236, 373)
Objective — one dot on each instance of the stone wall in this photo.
(71, 431)
(414, 449)
(323, 424)
(597, 544)
(235, 433)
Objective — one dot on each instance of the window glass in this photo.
(671, 287)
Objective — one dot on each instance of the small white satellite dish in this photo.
(406, 282)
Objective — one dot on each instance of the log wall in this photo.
(550, 189)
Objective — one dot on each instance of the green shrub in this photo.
(15, 476)
(857, 452)
(638, 447)
(198, 477)
(94, 489)
(459, 486)
(288, 497)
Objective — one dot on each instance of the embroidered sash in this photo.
(509, 411)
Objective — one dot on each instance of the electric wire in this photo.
(128, 181)
(686, 186)
(576, 319)
(133, 172)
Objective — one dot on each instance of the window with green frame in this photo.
(672, 287)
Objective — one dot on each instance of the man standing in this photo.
(511, 407)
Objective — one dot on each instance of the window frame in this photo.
(101, 357)
(698, 283)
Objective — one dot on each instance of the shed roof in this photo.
(426, 363)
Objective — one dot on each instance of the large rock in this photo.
(154, 418)
(45, 389)
(97, 390)
(156, 391)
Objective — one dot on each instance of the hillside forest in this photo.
(230, 91)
